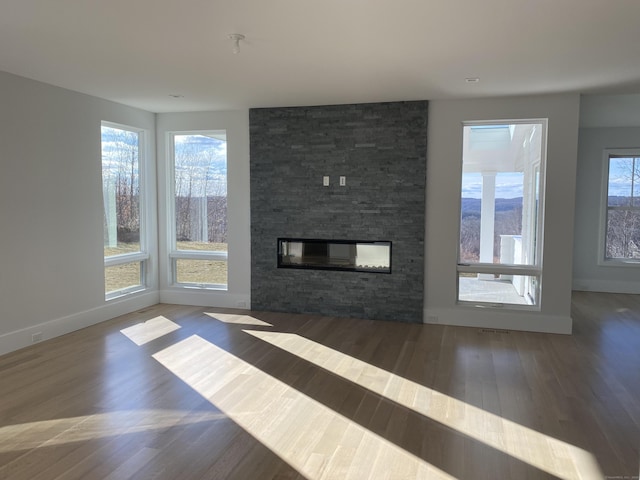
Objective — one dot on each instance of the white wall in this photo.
(599, 111)
(51, 239)
(444, 163)
(236, 123)
(607, 121)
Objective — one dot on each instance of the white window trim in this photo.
(175, 254)
(141, 256)
(533, 270)
(604, 202)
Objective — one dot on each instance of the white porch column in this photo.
(110, 213)
(487, 219)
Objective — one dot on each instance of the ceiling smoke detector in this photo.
(236, 37)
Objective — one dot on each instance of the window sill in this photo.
(624, 263)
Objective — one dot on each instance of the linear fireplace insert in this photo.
(348, 255)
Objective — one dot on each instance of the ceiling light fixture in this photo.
(236, 37)
(472, 79)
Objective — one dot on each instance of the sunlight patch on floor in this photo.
(47, 433)
(315, 440)
(537, 449)
(238, 319)
(149, 330)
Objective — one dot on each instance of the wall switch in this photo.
(325, 180)
(343, 181)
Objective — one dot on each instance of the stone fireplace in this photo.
(339, 172)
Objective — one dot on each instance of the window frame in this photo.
(603, 261)
(174, 253)
(142, 255)
(532, 270)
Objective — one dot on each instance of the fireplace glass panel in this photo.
(351, 255)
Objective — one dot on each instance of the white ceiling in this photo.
(305, 52)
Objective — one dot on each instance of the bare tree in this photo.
(187, 166)
(123, 158)
(200, 195)
(470, 239)
(217, 214)
(508, 222)
(623, 234)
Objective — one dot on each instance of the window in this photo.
(198, 245)
(621, 215)
(502, 185)
(125, 253)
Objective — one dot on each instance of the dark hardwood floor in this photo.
(175, 392)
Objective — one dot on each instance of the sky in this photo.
(202, 156)
(620, 177)
(508, 185)
(204, 159)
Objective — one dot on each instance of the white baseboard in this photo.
(205, 298)
(606, 286)
(18, 339)
(498, 319)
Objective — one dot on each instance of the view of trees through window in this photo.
(122, 212)
(201, 190)
(622, 237)
(121, 189)
(200, 195)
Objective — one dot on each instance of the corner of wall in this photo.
(18, 339)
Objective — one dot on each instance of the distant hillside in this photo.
(471, 206)
(617, 201)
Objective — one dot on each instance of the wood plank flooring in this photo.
(176, 392)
